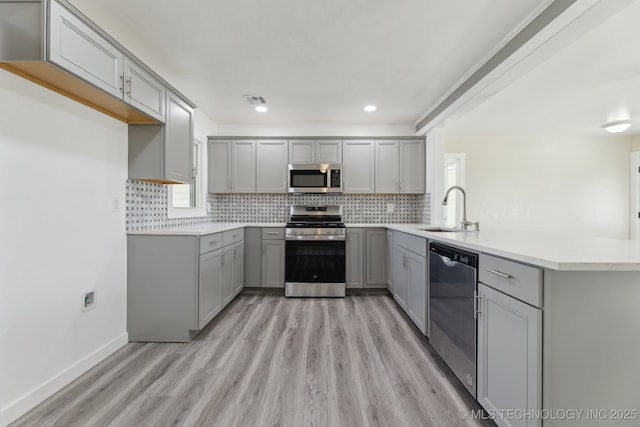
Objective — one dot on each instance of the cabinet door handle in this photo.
(130, 84)
(476, 304)
(499, 273)
(122, 83)
(222, 259)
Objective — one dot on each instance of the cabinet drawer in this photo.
(210, 242)
(232, 236)
(415, 244)
(518, 280)
(273, 233)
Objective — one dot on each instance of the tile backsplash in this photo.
(147, 207)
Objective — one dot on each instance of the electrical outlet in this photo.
(390, 207)
(89, 300)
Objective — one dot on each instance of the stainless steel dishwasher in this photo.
(452, 309)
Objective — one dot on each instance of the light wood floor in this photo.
(271, 361)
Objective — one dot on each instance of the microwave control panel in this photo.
(335, 178)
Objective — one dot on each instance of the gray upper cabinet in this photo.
(144, 91)
(243, 167)
(179, 137)
(358, 166)
(232, 166)
(315, 151)
(412, 167)
(387, 163)
(162, 153)
(271, 166)
(219, 166)
(54, 45)
(77, 47)
(400, 166)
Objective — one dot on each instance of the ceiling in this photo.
(593, 80)
(315, 62)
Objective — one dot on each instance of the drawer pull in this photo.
(499, 273)
(272, 233)
(214, 242)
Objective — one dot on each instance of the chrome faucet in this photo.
(465, 224)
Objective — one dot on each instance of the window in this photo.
(189, 200)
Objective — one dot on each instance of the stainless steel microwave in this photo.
(315, 178)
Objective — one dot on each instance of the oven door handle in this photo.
(303, 237)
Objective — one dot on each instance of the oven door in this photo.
(315, 267)
(315, 261)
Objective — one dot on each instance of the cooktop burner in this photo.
(315, 224)
(315, 217)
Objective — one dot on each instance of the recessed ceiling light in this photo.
(617, 127)
(261, 109)
(370, 108)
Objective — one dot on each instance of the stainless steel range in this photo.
(315, 252)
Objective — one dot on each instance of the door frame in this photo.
(634, 197)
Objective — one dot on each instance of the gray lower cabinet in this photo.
(209, 287)
(177, 284)
(376, 257)
(410, 277)
(273, 254)
(354, 273)
(366, 258)
(238, 268)
(253, 257)
(509, 339)
(399, 276)
(389, 261)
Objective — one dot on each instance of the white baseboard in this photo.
(30, 400)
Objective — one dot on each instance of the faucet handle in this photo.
(466, 224)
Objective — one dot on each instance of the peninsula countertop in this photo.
(555, 251)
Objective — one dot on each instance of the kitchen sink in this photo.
(437, 229)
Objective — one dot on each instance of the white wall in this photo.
(63, 169)
(558, 184)
(316, 130)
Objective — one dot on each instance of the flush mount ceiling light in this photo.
(617, 126)
(261, 109)
(370, 108)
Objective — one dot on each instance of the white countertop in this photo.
(548, 250)
(197, 230)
